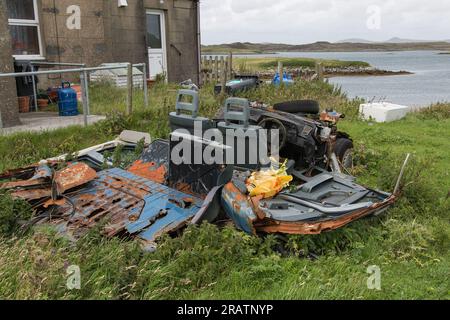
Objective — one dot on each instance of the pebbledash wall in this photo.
(109, 33)
(9, 115)
(112, 34)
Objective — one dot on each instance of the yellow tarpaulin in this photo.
(269, 182)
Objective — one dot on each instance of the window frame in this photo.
(30, 23)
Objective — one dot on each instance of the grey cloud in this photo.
(301, 21)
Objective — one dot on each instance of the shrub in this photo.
(439, 111)
(12, 214)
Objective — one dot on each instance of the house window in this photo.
(23, 23)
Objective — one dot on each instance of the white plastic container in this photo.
(118, 77)
(383, 111)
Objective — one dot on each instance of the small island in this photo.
(305, 67)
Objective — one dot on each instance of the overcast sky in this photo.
(305, 21)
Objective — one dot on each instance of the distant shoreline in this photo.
(267, 67)
(343, 73)
(323, 46)
(374, 73)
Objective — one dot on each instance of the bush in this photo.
(13, 213)
(114, 123)
(439, 111)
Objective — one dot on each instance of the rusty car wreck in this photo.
(155, 196)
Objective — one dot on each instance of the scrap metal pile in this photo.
(155, 196)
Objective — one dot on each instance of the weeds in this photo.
(439, 111)
(409, 242)
(12, 214)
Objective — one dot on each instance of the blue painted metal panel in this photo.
(131, 204)
(238, 208)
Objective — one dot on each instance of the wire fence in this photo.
(122, 75)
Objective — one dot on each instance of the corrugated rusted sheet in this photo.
(41, 174)
(129, 204)
(41, 184)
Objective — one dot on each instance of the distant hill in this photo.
(392, 40)
(355, 40)
(400, 40)
(394, 44)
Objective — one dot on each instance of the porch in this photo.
(42, 121)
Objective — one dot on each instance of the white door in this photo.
(156, 42)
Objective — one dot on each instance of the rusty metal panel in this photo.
(317, 227)
(324, 208)
(154, 162)
(149, 170)
(32, 194)
(130, 204)
(41, 174)
(43, 182)
(238, 208)
(73, 176)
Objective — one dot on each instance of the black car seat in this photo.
(236, 121)
(186, 114)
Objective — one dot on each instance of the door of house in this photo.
(156, 43)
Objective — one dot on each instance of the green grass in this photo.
(409, 242)
(260, 64)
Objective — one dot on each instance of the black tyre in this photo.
(298, 106)
(344, 152)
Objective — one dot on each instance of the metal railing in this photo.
(52, 64)
(84, 76)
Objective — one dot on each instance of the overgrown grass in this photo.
(409, 242)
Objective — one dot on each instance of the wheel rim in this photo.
(347, 159)
(275, 124)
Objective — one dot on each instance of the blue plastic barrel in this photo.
(287, 79)
(67, 100)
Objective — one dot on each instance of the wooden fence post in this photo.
(201, 71)
(204, 70)
(319, 71)
(210, 68)
(216, 69)
(221, 64)
(280, 71)
(224, 77)
(230, 65)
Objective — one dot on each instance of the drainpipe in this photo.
(199, 45)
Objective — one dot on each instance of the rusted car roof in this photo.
(128, 205)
